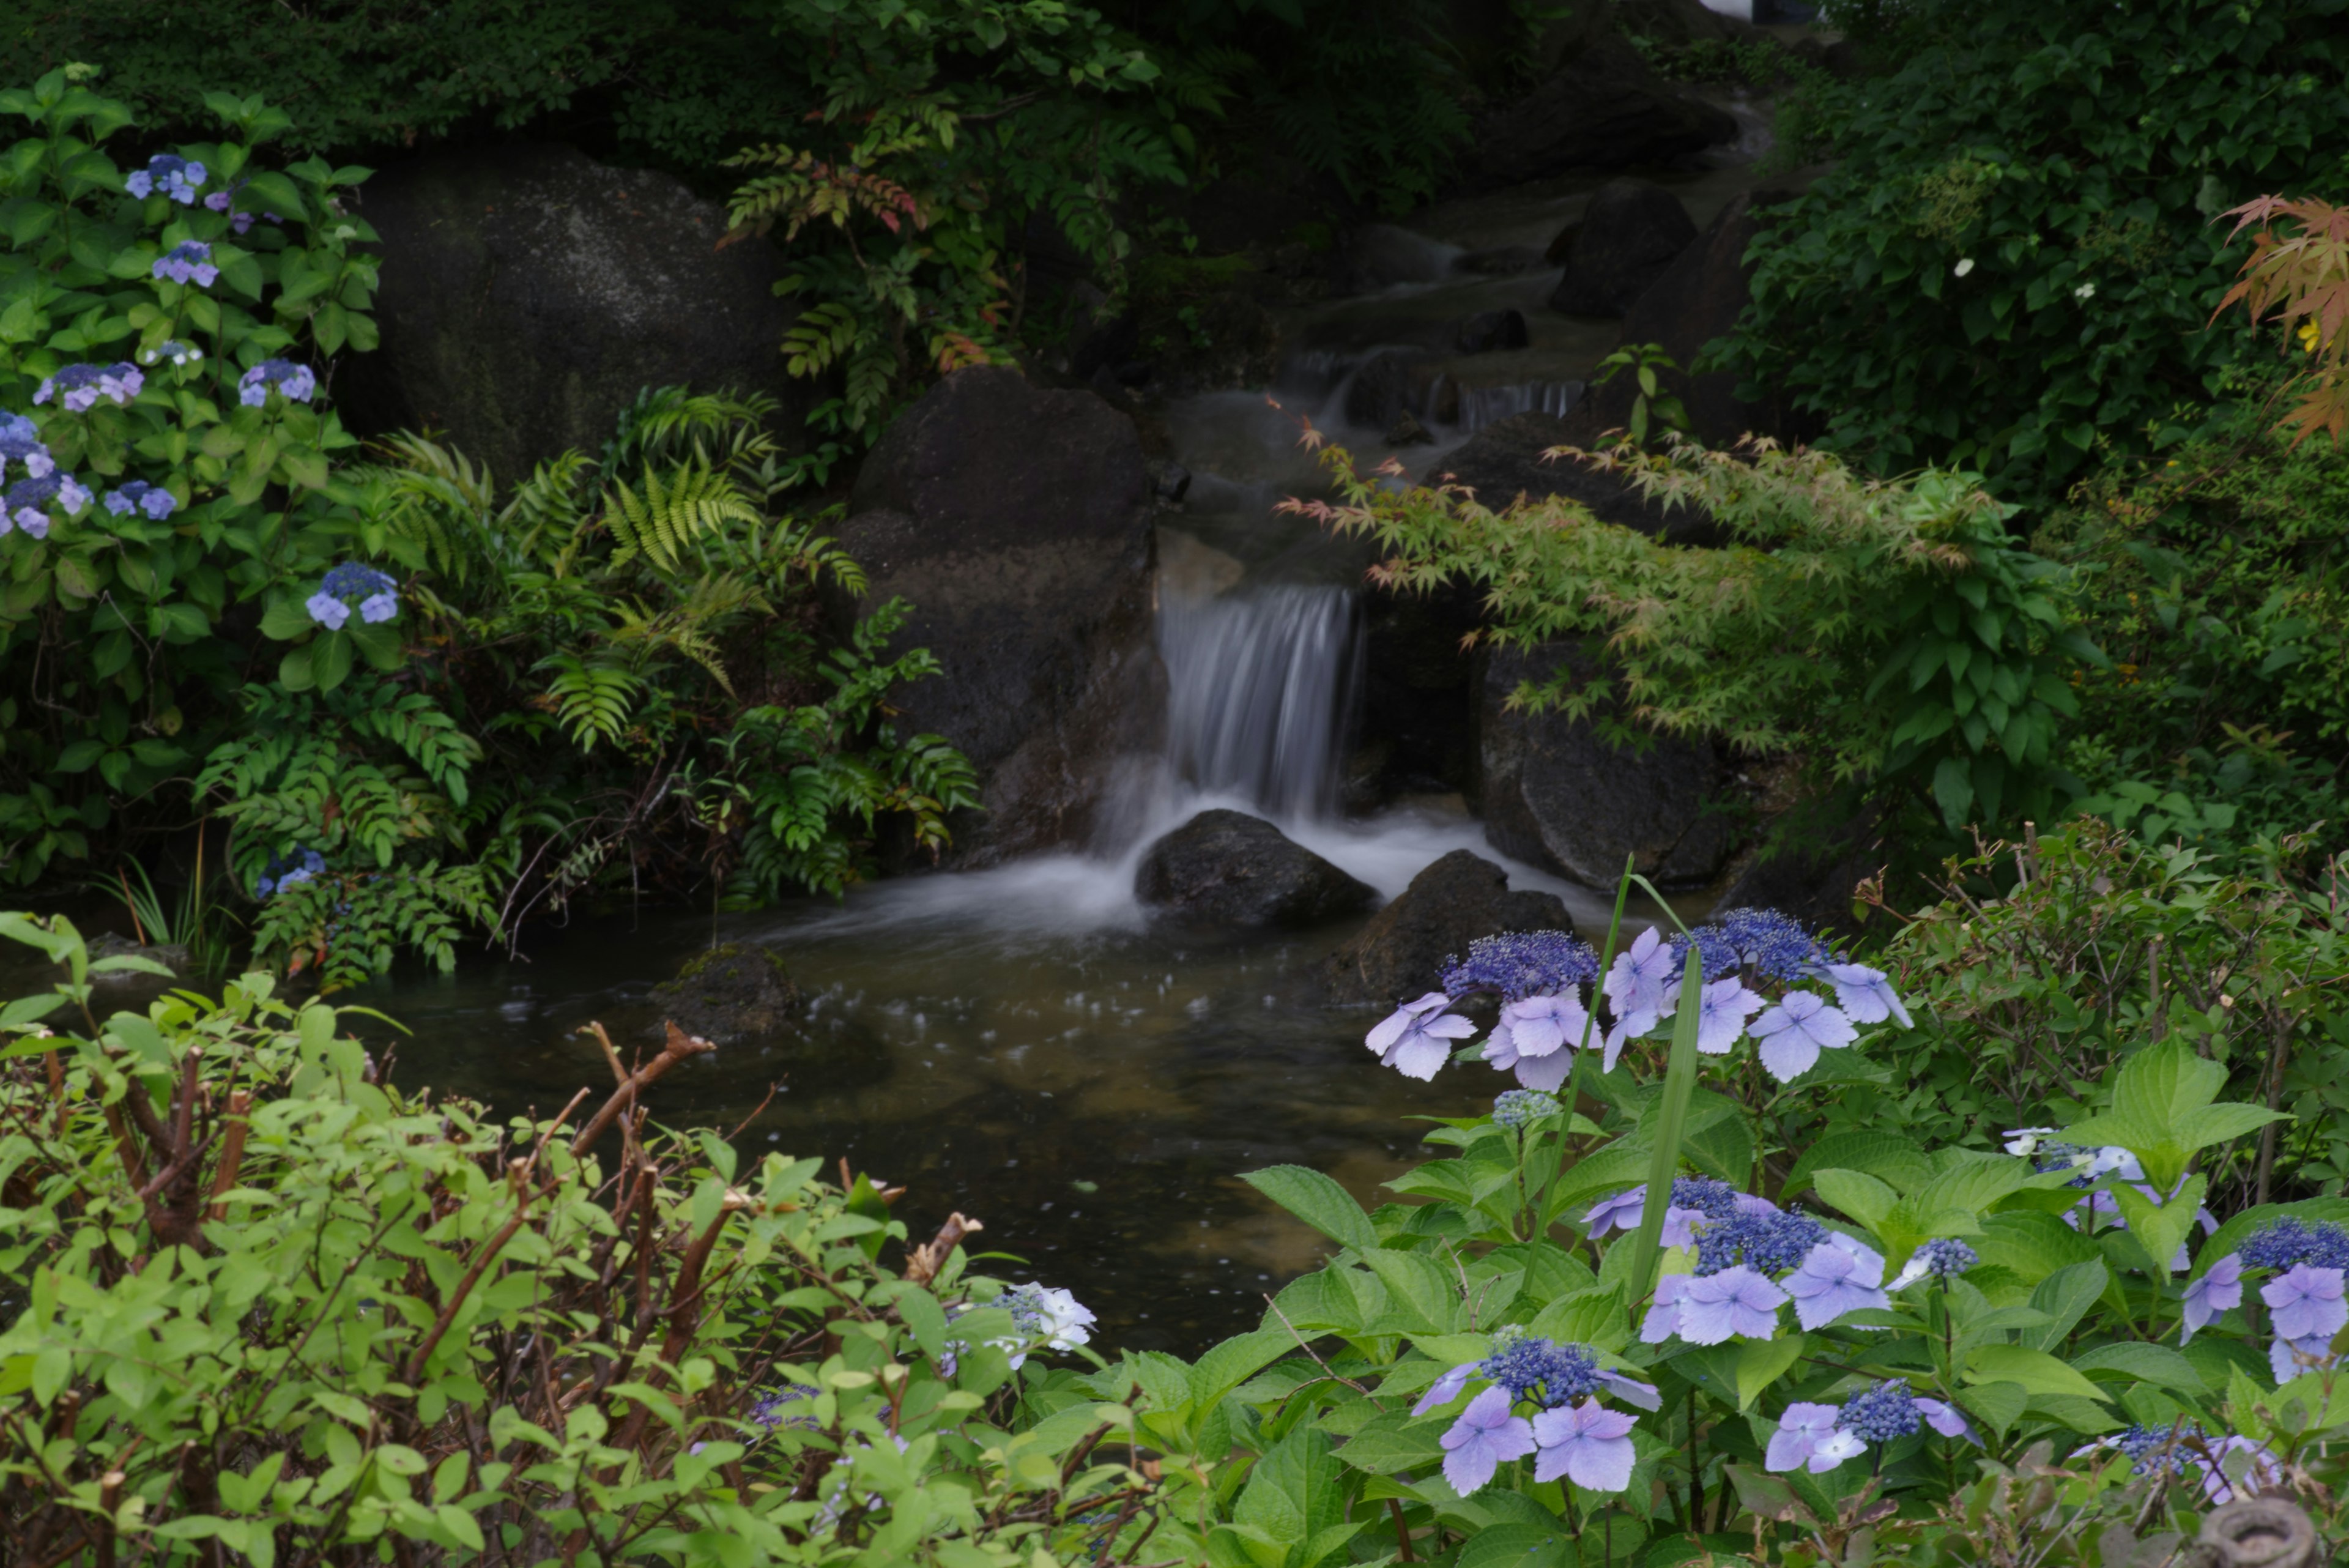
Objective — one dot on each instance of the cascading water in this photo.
(1260, 690)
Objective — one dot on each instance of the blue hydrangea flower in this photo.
(1518, 965)
(171, 348)
(1837, 1276)
(189, 260)
(176, 177)
(1516, 1108)
(1813, 1437)
(378, 593)
(26, 503)
(327, 610)
(291, 869)
(1942, 1258)
(1541, 1371)
(140, 496)
(282, 376)
(1415, 1039)
(78, 387)
(2284, 1242)
(1775, 944)
(1771, 1243)
(1709, 1309)
(1791, 1035)
(1486, 1434)
(20, 443)
(1883, 1414)
(1588, 1444)
(1717, 952)
(1642, 977)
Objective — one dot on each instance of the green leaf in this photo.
(2162, 1228)
(1887, 1157)
(285, 620)
(1864, 1198)
(1317, 1200)
(2156, 1364)
(1995, 1407)
(1761, 1362)
(2037, 1372)
(330, 659)
(2065, 1297)
(1672, 1116)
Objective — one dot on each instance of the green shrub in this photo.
(261, 1307)
(2012, 260)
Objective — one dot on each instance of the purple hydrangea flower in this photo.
(2288, 1359)
(1485, 1435)
(377, 608)
(2307, 1302)
(2262, 1473)
(1884, 1414)
(1793, 1034)
(1762, 1238)
(1630, 1390)
(1865, 995)
(1588, 1444)
(1837, 1276)
(178, 179)
(1810, 1436)
(1722, 1009)
(2220, 1289)
(1642, 971)
(282, 376)
(78, 387)
(140, 496)
(1415, 1039)
(1627, 1028)
(1716, 954)
(189, 260)
(20, 441)
(1949, 1420)
(1446, 1389)
(1522, 963)
(327, 610)
(1664, 1319)
(1717, 1307)
(1620, 1212)
(2289, 1240)
(1775, 944)
(1539, 1026)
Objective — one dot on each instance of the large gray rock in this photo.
(1556, 794)
(529, 293)
(1017, 522)
(1229, 870)
(1451, 903)
(1631, 234)
(1603, 110)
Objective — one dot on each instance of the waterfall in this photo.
(1260, 688)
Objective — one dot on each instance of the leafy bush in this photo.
(2012, 259)
(262, 1306)
(1889, 631)
(163, 332)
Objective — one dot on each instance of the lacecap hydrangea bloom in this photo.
(175, 177)
(78, 387)
(1548, 983)
(2306, 1265)
(20, 443)
(281, 376)
(2184, 1450)
(189, 260)
(26, 504)
(1041, 1318)
(376, 593)
(1751, 1260)
(1563, 1426)
(290, 869)
(140, 496)
(171, 348)
(1817, 1438)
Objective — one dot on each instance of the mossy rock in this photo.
(730, 991)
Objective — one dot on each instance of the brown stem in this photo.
(134, 1164)
(109, 1489)
(465, 1286)
(680, 1046)
(2157, 1026)
(232, 1158)
(1403, 1535)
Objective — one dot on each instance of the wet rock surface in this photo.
(730, 992)
(529, 293)
(1602, 109)
(1556, 794)
(1630, 235)
(1400, 953)
(1227, 869)
(1018, 522)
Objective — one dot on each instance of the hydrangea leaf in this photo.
(2038, 1373)
(1761, 1362)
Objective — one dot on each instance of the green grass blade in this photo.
(1671, 1117)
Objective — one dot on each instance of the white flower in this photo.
(2086, 291)
(1964, 266)
(2026, 1140)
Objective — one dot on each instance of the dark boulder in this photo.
(1018, 524)
(1504, 460)
(1451, 903)
(529, 293)
(1227, 869)
(1810, 868)
(729, 992)
(1556, 794)
(1419, 695)
(1695, 300)
(1603, 110)
(1628, 237)
(1492, 330)
(1389, 386)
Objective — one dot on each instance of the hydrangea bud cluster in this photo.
(1752, 1259)
(2306, 1265)
(20, 443)
(290, 869)
(1817, 1438)
(175, 177)
(171, 348)
(376, 593)
(1586, 1443)
(1514, 1108)
(78, 387)
(189, 260)
(284, 377)
(1548, 984)
(2183, 1450)
(1942, 1258)
(26, 504)
(140, 496)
